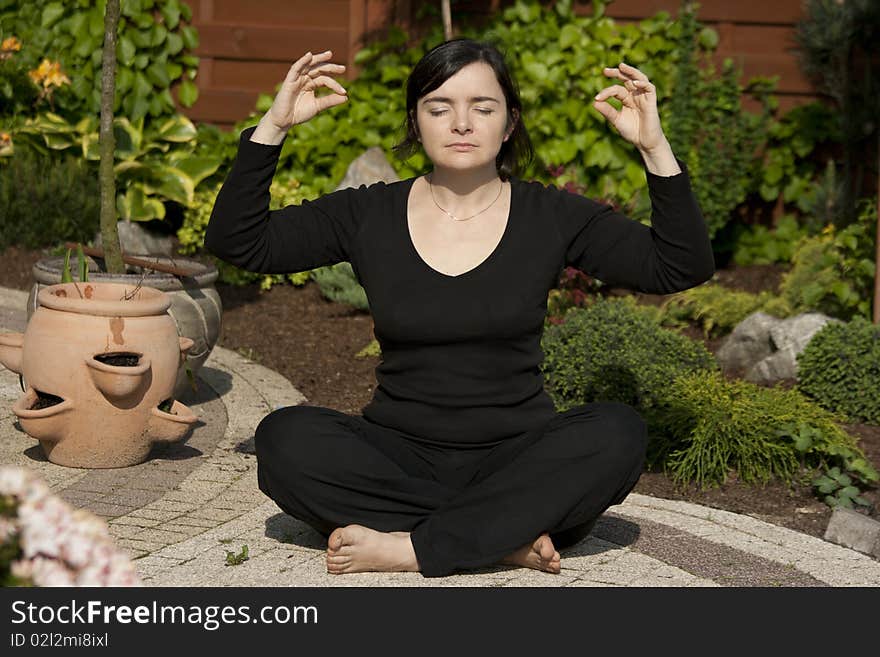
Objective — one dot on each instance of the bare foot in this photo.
(540, 555)
(358, 549)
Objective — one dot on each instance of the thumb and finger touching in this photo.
(296, 101)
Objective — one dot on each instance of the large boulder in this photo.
(766, 348)
(369, 168)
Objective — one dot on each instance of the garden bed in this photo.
(312, 342)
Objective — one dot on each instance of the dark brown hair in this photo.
(440, 64)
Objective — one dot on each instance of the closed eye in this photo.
(479, 109)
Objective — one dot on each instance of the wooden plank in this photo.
(250, 75)
(791, 78)
(222, 106)
(270, 43)
(196, 8)
(787, 102)
(775, 39)
(300, 13)
(741, 11)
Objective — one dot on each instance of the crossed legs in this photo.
(387, 504)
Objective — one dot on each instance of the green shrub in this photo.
(338, 283)
(788, 168)
(708, 426)
(840, 369)
(45, 201)
(708, 128)
(18, 94)
(833, 272)
(191, 238)
(759, 245)
(719, 309)
(614, 351)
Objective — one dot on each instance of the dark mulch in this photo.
(312, 342)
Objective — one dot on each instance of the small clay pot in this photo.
(105, 356)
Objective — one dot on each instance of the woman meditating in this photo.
(460, 460)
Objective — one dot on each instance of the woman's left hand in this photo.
(637, 121)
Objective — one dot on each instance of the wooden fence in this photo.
(247, 46)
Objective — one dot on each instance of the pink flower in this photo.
(60, 546)
(49, 572)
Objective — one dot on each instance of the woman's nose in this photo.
(462, 124)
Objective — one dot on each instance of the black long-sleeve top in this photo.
(461, 354)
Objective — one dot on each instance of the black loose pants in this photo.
(465, 506)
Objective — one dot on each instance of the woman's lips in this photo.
(462, 147)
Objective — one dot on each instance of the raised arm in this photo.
(242, 230)
(675, 252)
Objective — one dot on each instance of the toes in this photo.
(334, 542)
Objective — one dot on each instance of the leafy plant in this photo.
(191, 238)
(153, 163)
(719, 309)
(708, 128)
(153, 52)
(338, 283)
(45, 200)
(834, 272)
(840, 369)
(233, 559)
(708, 426)
(837, 42)
(762, 246)
(82, 266)
(788, 168)
(574, 289)
(838, 489)
(614, 351)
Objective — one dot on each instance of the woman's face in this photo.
(461, 124)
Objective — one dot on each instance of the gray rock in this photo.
(748, 343)
(855, 531)
(788, 337)
(766, 348)
(369, 168)
(795, 332)
(138, 240)
(775, 367)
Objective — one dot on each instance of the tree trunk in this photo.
(447, 19)
(109, 231)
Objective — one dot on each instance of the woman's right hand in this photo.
(296, 101)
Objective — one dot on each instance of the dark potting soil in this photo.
(45, 400)
(121, 359)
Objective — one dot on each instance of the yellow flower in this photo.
(5, 144)
(48, 74)
(10, 44)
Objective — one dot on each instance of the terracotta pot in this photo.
(195, 304)
(108, 415)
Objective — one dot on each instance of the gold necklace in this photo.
(452, 216)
